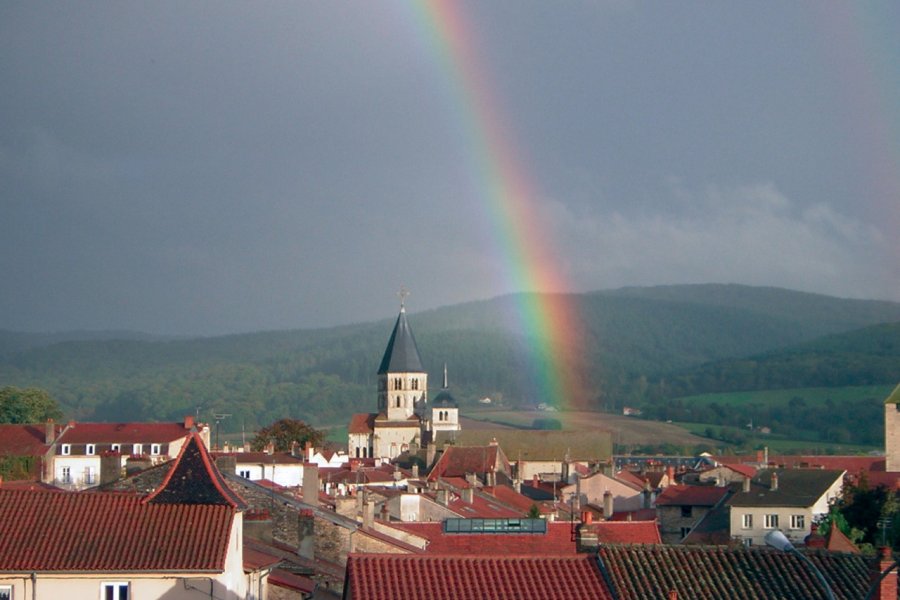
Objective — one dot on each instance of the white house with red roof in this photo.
(184, 541)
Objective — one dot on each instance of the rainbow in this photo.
(546, 313)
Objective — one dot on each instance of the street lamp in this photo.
(779, 541)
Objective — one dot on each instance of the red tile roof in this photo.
(22, 440)
(624, 532)
(691, 495)
(558, 541)
(457, 461)
(511, 498)
(64, 531)
(362, 423)
(123, 433)
(411, 577)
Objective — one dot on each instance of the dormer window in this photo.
(136, 449)
(65, 449)
(154, 449)
(89, 449)
(116, 448)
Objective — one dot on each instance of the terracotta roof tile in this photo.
(558, 541)
(22, 440)
(624, 532)
(457, 461)
(66, 531)
(411, 577)
(691, 495)
(124, 433)
(362, 423)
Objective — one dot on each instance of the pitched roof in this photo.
(22, 440)
(401, 354)
(796, 487)
(557, 541)
(532, 444)
(67, 531)
(712, 572)
(123, 433)
(457, 461)
(624, 532)
(691, 495)
(411, 577)
(894, 398)
(194, 479)
(362, 423)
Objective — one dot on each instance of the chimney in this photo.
(188, 422)
(309, 452)
(607, 505)
(442, 496)
(491, 478)
(306, 533)
(49, 431)
(746, 484)
(311, 484)
(884, 576)
(759, 457)
(647, 495)
(534, 480)
(587, 517)
(468, 495)
(670, 474)
(369, 513)
(415, 470)
(774, 484)
(270, 448)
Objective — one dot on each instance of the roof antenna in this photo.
(403, 293)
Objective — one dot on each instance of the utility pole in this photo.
(219, 417)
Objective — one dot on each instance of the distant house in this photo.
(184, 541)
(785, 499)
(680, 508)
(81, 455)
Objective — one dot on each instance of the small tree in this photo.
(29, 405)
(284, 432)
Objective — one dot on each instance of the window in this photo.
(66, 474)
(89, 449)
(90, 476)
(137, 449)
(114, 590)
(116, 448)
(798, 522)
(685, 531)
(415, 384)
(154, 449)
(687, 511)
(66, 449)
(771, 521)
(747, 521)
(5, 592)
(245, 473)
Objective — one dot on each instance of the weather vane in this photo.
(403, 293)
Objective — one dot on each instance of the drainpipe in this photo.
(33, 585)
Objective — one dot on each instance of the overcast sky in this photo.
(216, 167)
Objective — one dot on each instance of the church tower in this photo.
(402, 382)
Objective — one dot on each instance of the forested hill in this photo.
(634, 336)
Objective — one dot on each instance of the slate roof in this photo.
(691, 495)
(401, 354)
(413, 577)
(796, 487)
(194, 479)
(66, 531)
(715, 572)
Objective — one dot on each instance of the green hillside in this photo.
(641, 344)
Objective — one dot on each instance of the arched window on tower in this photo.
(415, 384)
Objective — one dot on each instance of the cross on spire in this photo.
(403, 293)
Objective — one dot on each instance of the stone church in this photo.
(404, 422)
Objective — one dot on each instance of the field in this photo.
(811, 396)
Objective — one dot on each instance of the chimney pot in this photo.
(188, 422)
(774, 484)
